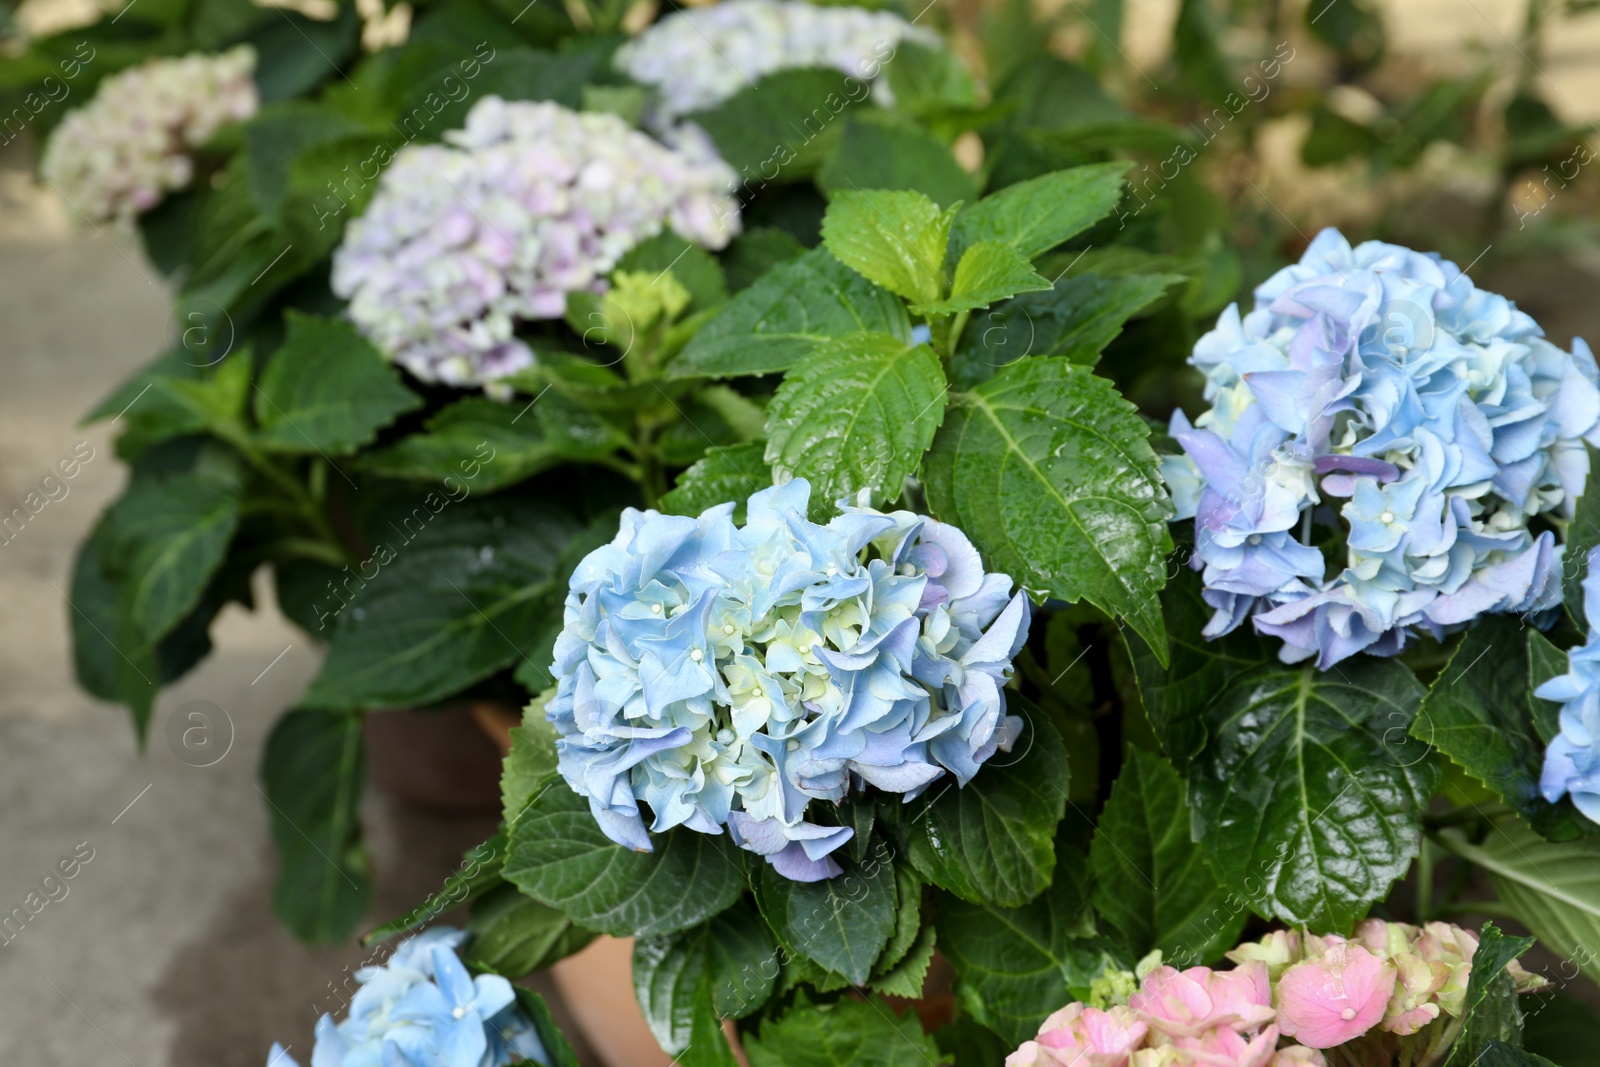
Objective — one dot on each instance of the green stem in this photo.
(1425, 863)
(305, 503)
(308, 548)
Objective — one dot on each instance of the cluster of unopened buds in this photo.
(132, 144)
(1393, 993)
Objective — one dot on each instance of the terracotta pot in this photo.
(435, 760)
(496, 721)
(597, 987)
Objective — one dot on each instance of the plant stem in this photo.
(1425, 863)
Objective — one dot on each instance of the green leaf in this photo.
(186, 401)
(1545, 661)
(725, 474)
(903, 966)
(855, 414)
(733, 954)
(1489, 1012)
(993, 840)
(559, 856)
(893, 238)
(1563, 1029)
(841, 923)
(497, 444)
(874, 155)
(1480, 713)
(1051, 474)
(459, 591)
(554, 1042)
(1014, 966)
(1500, 1054)
(783, 317)
(1583, 534)
(846, 1033)
(276, 136)
(478, 874)
(927, 79)
(906, 978)
(514, 935)
(1036, 215)
(693, 267)
(781, 128)
(1552, 888)
(1075, 319)
(1175, 696)
(169, 534)
(329, 184)
(1152, 883)
(757, 251)
(708, 1044)
(327, 390)
(989, 272)
(1307, 795)
(312, 774)
(531, 763)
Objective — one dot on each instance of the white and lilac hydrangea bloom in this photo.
(424, 1009)
(128, 147)
(527, 203)
(1378, 385)
(1572, 762)
(730, 676)
(698, 57)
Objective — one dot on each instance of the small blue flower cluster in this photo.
(1572, 762)
(1435, 411)
(730, 675)
(422, 1009)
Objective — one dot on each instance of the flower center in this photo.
(1347, 1014)
(1255, 539)
(696, 655)
(655, 609)
(1386, 518)
(459, 1013)
(756, 691)
(727, 628)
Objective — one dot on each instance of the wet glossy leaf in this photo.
(1050, 472)
(1036, 215)
(989, 272)
(893, 238)
(846, 1033)
(841, 923)
(1308, 792)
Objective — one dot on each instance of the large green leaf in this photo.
(1489, 1011)
(1551, 887)
(724, 474)
(989, 272)
(1480, 713)
(276, 135)
(312, 774)
(894, 238)
(856, 414)
(1014, 966)
(1583, 534)
(1075, 319)
(169, 535)
(1308, 792)
(846, 1033)
(459, 591)
(327, 390)
(559, 856)
(841, 923)
(734, 953)
(993, 840)
(1152, 883)
(496, 444)
(515, 935)
(1050, 472)
(784, 316)
(1175, 696)
(781, 128)
(876, 156)
(1034, 216)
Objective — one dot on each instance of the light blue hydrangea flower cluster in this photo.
(423, 1009)
(1572, 762)
(727, 675)
(1378, 385)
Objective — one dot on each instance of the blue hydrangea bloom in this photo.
(423, 1009)
(1377, 386)
(730, 676)
(1572, 763)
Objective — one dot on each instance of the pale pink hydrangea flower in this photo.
(1328, 1000)
(1187, 1003)
(1077, 1033)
